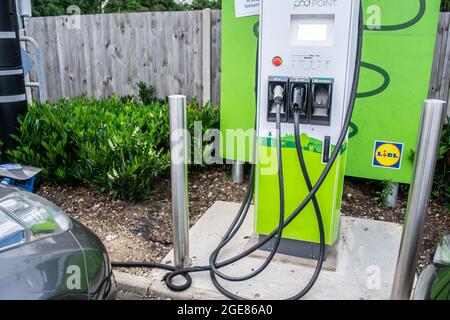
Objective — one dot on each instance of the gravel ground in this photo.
(360, 200)
(142, 232)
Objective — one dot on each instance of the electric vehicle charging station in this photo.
(309, 63)
(308, 73)
(307, 56)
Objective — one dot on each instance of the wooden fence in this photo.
(175, 52)
(440, 78)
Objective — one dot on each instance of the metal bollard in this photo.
(237, 172)
(180, 204)
(419, 197)
(392, 199)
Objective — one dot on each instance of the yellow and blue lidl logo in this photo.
(388, 155)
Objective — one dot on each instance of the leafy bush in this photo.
(209, 118)
(146, 93)
(203, 4)
(208, 115)
(385, 192)
(59, 7)
(114, 146)
(445, 6)
(159, 5)
(442, 179)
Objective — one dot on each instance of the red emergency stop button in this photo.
(277, 61)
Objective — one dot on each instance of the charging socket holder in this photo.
(321, 101)
(271, 110)
(295, 84)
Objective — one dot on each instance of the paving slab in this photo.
(364, 268)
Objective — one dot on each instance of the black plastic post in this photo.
(9, 35)
(13, 101)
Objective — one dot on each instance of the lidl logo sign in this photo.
(388, 155)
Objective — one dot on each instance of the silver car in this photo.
(44, 254)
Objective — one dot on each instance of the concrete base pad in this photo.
(329, 264)
(363, 268)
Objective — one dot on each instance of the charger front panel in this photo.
(309, 49)
(308, 39)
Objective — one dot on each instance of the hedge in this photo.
(115, 146)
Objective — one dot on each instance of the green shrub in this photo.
(442, 179)
(203, 4)
(117, 146)
(146, 93)
(114, 147)
(59, 7)
(209, 117)
(385, 192)
(445, 6)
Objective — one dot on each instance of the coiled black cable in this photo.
(248, 198)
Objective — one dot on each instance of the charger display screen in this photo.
(312, 32)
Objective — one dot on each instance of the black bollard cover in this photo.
(13, 103)
(8, 121)
(9, 38)
(12, 82)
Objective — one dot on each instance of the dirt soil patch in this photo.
(361, 200)
(143, 231)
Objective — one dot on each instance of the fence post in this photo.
(419, 197)
(440, 81)
(180, 205)
(206, 56)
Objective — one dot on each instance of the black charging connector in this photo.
(278, 92)
(299, 93)
(298, 100)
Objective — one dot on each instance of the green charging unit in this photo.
(307, 58)
(395, 77)
(399, 39)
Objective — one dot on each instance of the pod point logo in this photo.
(314, 3)
(388, 155)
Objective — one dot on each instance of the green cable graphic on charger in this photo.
(386, 81)
(397, 27)
(378, 69)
